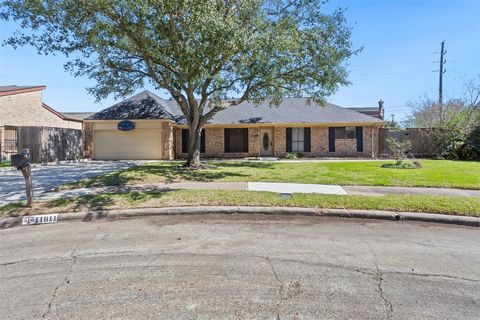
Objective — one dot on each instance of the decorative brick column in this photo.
(88, 140)
(167, 141)
(2, 143)
(254, 142)
(279, 142)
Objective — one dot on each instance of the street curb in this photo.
(342, 213)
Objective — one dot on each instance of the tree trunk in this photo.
(195, 132)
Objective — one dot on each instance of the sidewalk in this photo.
(261, 186)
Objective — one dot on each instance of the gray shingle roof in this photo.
(146, 105)
(78, 115)
(13, 88)
(291, 110)
(10, 90)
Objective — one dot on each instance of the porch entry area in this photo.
(266, 142)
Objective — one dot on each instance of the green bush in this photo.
(398, 148)
(455, 144)
(4, 163)
(291, 156)
(470, 148)
(403, 165)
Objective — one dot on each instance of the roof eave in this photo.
(22, 90)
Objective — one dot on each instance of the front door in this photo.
(266, 143)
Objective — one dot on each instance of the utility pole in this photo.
(440, 79)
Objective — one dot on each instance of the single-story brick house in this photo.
(156, 129)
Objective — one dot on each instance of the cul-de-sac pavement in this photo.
(240, 267)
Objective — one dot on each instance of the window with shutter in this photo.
(185, 140)
(298, 139)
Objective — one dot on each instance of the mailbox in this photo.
(19, 160)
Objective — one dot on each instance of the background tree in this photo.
(201, 52)
(393, 124)
(453, 124)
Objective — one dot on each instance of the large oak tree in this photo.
(201, 51)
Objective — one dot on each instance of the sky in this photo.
(398, 64)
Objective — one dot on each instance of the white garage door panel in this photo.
(139, 144)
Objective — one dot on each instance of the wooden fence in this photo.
(47, 144)
(422, 140)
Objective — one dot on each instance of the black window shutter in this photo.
(245, 139)
(289, 139)
(359, 136)
(331, 139)
(307, 140)
(226, 139)
(202, 141)
(184, 140)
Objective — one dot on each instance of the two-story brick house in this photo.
(23, 106)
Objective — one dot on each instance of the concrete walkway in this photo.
(260, 186)
(380, 191)
(295, 188)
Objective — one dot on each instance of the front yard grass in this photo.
(4, 164)
(434, 173)
(469, 206)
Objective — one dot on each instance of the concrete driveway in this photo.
(46, 178)
(240, 267)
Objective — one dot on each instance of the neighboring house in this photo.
(377, 112)
(159, 130)
(22, 106)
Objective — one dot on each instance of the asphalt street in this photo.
(240, 267)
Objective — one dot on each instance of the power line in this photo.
(395, 55)
(387, 64)
(392, 73)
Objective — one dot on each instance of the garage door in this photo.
(139, 144)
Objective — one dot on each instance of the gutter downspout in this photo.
(373, 152)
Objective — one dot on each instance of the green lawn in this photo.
(413, 203)
(435, 173)
(4, 164)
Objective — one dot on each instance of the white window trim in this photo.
(351, 129)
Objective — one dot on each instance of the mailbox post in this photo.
(21, 161)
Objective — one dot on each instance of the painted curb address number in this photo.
(38, 219)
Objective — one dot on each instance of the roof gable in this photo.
(144, 105)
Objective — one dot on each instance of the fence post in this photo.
(27, 174)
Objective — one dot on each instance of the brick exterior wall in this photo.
(25, 109)
(319, 137)
(214, 143)
(215, 146)
(345, 148)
